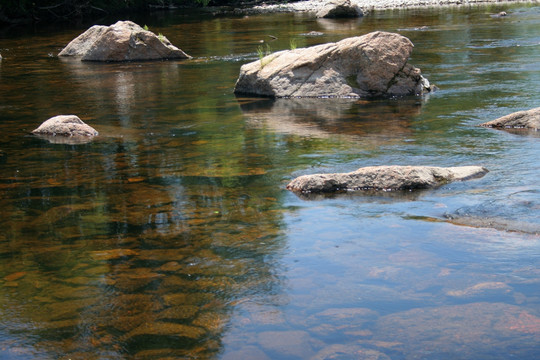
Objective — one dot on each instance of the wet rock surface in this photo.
(122, 41)
(372, 65)
(387, 178)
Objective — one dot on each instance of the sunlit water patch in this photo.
(171, 235)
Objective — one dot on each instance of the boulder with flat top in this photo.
(385, 178)
(372, 65)
(122, 41)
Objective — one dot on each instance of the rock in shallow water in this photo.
(386, 178)
(373, 65)
(340, 9)
(69, 129)
(65, 125)
(122, 41)
(529, 119)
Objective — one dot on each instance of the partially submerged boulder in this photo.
(372, 65)
(517, 211)
(340, 9)
(385, 178)
(529, 119)
(122, 41)
(65, 129)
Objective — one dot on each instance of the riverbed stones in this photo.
(340, 9)
(385, 178)
(528, 119)
(477, 329)
(372, 65)
(66, 126)
(122, 41)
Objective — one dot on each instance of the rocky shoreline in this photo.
(370, 5)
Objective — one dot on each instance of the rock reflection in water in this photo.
(370, 123)
(131, 84)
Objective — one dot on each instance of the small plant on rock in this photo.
(292, 44)
(263, 53)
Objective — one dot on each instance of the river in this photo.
(172, 236)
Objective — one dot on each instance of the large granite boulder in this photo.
(122, 41)
(373, 65)
(529, 119)
(340, 9)
(385, 178)
(68, 129)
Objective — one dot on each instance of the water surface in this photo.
(171, 235)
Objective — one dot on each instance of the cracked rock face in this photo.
(373, 65)
(385, 178)
(122, 41)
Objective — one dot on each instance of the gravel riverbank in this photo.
(372, 5)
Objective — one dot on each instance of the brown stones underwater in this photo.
(171, 234)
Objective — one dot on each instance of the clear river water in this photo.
(172, 236)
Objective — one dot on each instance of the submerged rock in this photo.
(529, 119)
(499, 15)
(513, 212)
(69, 129)
(349, 351)
(122, 41)
(372, 65)
(386, 178)
(340, 9)
(474, 330)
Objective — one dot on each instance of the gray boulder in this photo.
(340, 9)
(529, 119)
(373, 65)
(65, 129)
(122, 41)
(385, 178)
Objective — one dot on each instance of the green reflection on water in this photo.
(171, 234)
